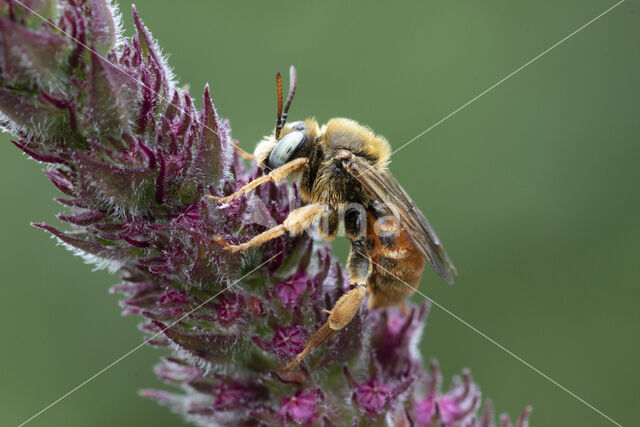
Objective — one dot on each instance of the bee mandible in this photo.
(343, 173)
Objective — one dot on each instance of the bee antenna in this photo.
(282, 116)
(279, 95)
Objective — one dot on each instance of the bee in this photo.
(343, 174)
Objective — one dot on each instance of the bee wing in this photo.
(384, 188)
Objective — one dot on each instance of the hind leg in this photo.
(345, 309)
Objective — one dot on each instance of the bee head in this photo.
(296, 140)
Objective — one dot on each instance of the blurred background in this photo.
(533, 188)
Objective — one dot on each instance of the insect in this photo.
(343, 175)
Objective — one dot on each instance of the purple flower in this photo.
(289, 340)
(457, 407)
(290, 290)
(134, 158)
(373, 396)
(172, 297)
(301, 407)
(230, 395)
(229, 308)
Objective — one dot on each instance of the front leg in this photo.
(275, 175)
(297, 221)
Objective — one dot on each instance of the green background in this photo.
(533, 188)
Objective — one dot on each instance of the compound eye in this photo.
(286, 148)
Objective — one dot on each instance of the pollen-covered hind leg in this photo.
(297, 221)
(346, 307)
(359, 268)
(340, 316)
(275, 175)
(319, 338)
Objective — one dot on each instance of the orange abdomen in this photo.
(397, 265)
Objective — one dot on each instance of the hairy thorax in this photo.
(325, 180)
(330, 184)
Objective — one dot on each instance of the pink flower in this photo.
(372, 396)
(289, 340)
(290, 290)
(301, 407)
(229, 308)
(457, 407)
(229, 395)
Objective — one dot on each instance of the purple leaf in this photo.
(103, 29)
(31, 55)
(210, 163)
(113, 94)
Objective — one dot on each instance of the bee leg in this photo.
(296, 222)
(241, 152)
(340, 316)
(359, 269)
(275, 175)
(319, 338)
(346, 307)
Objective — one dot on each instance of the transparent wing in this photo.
(384, 188)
